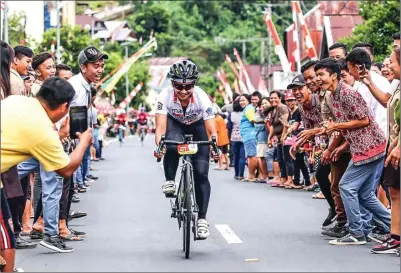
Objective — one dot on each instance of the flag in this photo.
(278, 47)
(112, 81)
(305, 32)
(131, 95)
(222, 77)
(295, 58)
(249, 85)
(232, 66)
(262, 87)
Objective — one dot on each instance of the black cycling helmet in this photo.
(184, 72)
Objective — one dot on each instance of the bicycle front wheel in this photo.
(187, 213)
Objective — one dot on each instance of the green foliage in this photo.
(382, 20)
(16, 32)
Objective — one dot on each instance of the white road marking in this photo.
(228, 234)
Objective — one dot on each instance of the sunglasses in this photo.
(181, 87)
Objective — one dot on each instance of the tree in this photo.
(382, 20)
(16, 30)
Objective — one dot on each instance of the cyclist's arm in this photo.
(161, 127)
(211, 128)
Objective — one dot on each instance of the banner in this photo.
(111, 83)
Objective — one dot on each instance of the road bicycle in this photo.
(184, 207)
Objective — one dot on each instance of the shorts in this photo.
(391, 176)
(250, 148)
(224, 149)
(7, 237)
(261, 149)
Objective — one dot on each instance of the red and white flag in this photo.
(305, 32)
(262, 87)
(278, 47)
(295, 58)
(131, 95)
(3, 5)
(249, 85)
(228, 60)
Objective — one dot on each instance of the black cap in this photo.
(297, 81)
(90, 55)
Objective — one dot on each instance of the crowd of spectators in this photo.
(334, 131)
(43, 167)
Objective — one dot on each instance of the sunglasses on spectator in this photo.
(181, 87)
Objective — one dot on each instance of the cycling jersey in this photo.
(142, 118)
(199, 107)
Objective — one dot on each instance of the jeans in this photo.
(99, 150)
(357, 188)
(52, 186)
(78, 176)
(85, 163)
(270, 159)
(239, 157)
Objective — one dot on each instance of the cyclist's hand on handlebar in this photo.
(157, 153)
(215, 156)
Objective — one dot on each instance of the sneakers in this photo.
(169, 187)
(24, 244)
(203, 229)
(349, 239)
(336, 231)
(389, 246)
(55, 243)
(378, 237)
(75, 199)
(92, 177)
(89, 180)
(330, 218)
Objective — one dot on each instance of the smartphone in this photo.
(362, 69)
(78, 120)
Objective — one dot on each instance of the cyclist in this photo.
(183, 109)
(142, 120)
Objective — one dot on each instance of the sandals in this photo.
(294, 187)
(218, 169)
(248, 179)
(318, 195)
(72, 237)
(78, 233)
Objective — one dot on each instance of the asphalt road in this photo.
(129, 226)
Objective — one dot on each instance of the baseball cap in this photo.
(289, 96)
(297, 81)
(90, 55)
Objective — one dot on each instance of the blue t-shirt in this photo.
(246, 128)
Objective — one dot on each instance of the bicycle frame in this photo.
(176, 207)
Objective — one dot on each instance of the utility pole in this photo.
(58, 57)
(6, 22)
(269, 54)
(126, 77)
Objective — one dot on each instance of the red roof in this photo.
(343, 25)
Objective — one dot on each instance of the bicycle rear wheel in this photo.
(142, 136)
(187, 219)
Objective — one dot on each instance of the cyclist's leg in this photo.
(174, 131)
(200, 163)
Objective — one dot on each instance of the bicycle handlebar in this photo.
(212, 143)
